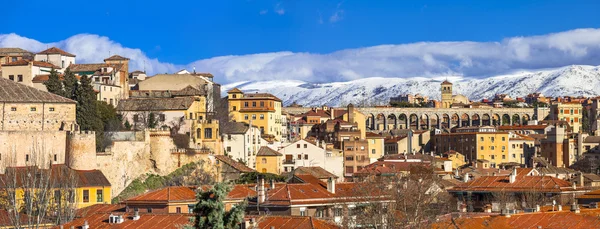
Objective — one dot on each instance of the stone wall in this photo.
(37, 116)
(40, 147)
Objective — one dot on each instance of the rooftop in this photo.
(24, 62)
(236, 165)
(523, 182)
(55, 50)
(11, 91)
(266, 151)
(316, 171)
(4, 51)
(155, 104)
(116, 57)
(302, 222)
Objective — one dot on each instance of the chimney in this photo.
(456, 172)
(261, 190)
(85, 225)
(580, 179)
(331, 185)
(332, 113)
(466, 178)
(513, 176)
(136, 214)
(574, 207)
(272, 183)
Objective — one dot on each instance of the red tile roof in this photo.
(168, 194)
(55, 50)
(116, 57)
(24, 62)
(522, 183)
(588, 218)
(97, 217)
(387, 167)
(293, 222)
(373, 135)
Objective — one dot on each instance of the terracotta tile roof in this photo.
(522, 183)
(55, 50)
(522, 137)
(235, 90)
(293, 222)
(44, 77)
(85, 178)
(116, 57)
(91, 178)
(98, 218)
(315, 171)
(266, 151)
(86, 67)
(155, 104)
(446, 82)
(394, 139)
(166, 195)
(387, 167)
(11, 91)
(24, 62)
(588, 218)
(373, 135)
(320, 113)
(236, 165)
(4, 51)
(590, 195)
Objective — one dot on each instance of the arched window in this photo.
(264, 161)
(198, 133)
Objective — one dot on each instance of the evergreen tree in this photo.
(152, 122)
(87, 114)
(210, 209)
(69, 84)
(53, 85)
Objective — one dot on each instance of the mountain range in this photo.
(574, 80)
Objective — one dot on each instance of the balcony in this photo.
(289, 162)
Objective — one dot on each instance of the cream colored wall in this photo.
(108, 92)
(244, 146)
(376, 144)
(26, 70)
(40, 119)
(40, 146)
(56, 59)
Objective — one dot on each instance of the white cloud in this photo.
(263, 12)
(338, 15)
(423, 59)
(279, 9)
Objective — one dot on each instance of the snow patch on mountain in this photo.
(575, 80)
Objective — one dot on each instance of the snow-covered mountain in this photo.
(571, 80)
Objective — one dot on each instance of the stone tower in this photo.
(446, 94)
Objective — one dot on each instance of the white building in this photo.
(56, 57)
(242, 142)
(306, 154)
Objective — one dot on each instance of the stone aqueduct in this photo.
(384, 118)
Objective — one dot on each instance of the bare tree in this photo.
(39, 193)
(504, 199)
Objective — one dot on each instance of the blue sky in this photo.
(181, 33)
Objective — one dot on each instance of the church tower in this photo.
(446, 94)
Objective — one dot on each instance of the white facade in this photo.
(59, 60)
(244, 146)
(305, 154)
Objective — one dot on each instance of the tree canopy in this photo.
(210, 211)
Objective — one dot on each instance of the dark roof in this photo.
(91, 178)
(189, 91)
(266, 151)
(236, 128)
(116, 57)
(24, 62)
(85, 178)
(86, 67)
(11, 91)
(234, 164)
(155, 104)
(446, 82)
(235, 90)
(44, 77)
(55, 50)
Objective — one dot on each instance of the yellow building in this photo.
(376, 146)
(491, 146)
(354, 116)
(568, 111)
(89, 187)
(457, 158)
(269, 161)
(259, 109)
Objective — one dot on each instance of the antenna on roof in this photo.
(194, 69)
(144, 66)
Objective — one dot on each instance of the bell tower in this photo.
(446, 94)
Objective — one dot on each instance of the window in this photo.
(481, 147)
(229, 137)
(493, 147)
(481, 138)
(111, 101)
(305, 146)
(253, 104)
(149, 210)
(245, 117)
(20, 78)
(253, 117)
(234, 108)
(514, 155)
(503, 157)
(262, 117)
(373, 151)
(362, 148)
(51, 109)
(262, 104)
(63, 64)
(262, 130)
(13, 109)
(55, 157)
(57, 196)
(99, 196)
(349, 158)
(178, 209)
(305, 156)
(302, 211)
(245, 104)
(229, 149)
(136, 118)
(11, 77)
(337, 212)
(26, 157)
(191, 208)
(191, 116)
(297, 145)
(33, 109)
(86, 196)
(503, 139)
(13, 59)
(198, 133)
(299, 156)
(264, 161)
(161, 117)
(208, 133)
